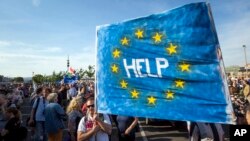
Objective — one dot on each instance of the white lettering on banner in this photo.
(139, 67)
(133, 67)
(161, 66)
(136, 66)
(148, 69)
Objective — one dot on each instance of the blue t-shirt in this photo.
(54, 115)
(40, 109)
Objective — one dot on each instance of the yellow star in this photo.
(114, 68)
(157, 37)
(124, 41)
(139, 33)
(123, 84)
(151, 100)
(184, 67)
(116, 53)
(179, 83)
(171, 49)
(134, 94)
(170, 95)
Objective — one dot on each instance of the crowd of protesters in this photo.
(59, 107)
(72, 107)
(240, 97)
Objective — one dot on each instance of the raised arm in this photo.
(132, 126)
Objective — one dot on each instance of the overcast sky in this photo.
(37, 35)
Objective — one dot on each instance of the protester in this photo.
(72, 92)
(17, 99)
(246, 90)
(94, 127)
(205, 131)
(40, 103)
(54, 115)
(248, 115)
(9, 133)
(126, 127)
(74, 116)
(62, 96)
(3, 103)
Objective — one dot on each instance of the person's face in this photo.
(45, 93)
(91, 106)
(248, 117)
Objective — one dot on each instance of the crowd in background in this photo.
(73, 104)
(56, 108)
(240, 97)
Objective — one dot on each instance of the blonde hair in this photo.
(52, 97)
(74, 104)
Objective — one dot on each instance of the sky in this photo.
(38, 35)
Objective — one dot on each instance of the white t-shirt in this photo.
(100, 136)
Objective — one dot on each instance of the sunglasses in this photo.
(93, 105)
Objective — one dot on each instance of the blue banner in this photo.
(166, 66)
(70, 79)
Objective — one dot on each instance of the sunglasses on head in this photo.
(93, 105)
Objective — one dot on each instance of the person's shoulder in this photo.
(54, 104)
(83, 120)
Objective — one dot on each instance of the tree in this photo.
(81, 73)
(90, 72)
(1, 78)
(18, 79)
(38, 78)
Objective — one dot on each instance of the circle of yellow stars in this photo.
(171, 49)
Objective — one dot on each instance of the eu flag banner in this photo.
(165, 66)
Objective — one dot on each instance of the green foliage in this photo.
(90, 72)
(232, 69)
(38, 78)
(18, 79)
(1, 78)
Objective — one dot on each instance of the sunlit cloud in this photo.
(4, 43)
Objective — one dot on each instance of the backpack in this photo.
(77, 120)
(33, 99)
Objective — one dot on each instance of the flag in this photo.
(70, 76)
(71, 71)
(69, 79)
(165, 66)
(34, 85)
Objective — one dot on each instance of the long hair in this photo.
(74, 104)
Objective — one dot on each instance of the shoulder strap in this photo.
(215, 132)
(37, 103)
